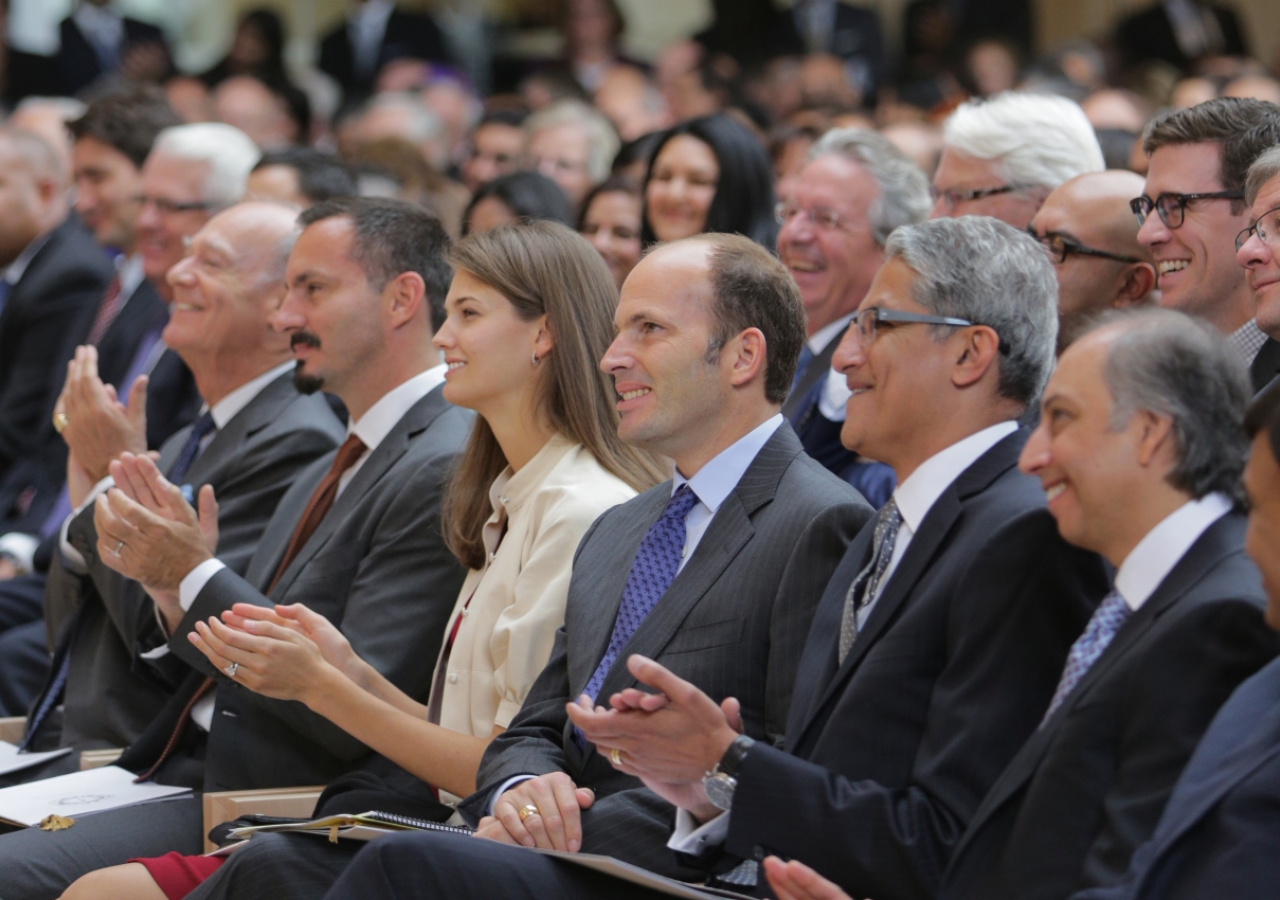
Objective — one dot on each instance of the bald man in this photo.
(50, 270)
(1092, 238)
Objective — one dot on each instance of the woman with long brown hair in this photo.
(530, 314)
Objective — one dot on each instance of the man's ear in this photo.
(403, 296)
(1155, 437)
(1137, 281)
(745, 354)
(979, 348)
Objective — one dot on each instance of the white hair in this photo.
(1037, 139)
(602, 139)
(422, 124)
(230, 153)
(904, 189)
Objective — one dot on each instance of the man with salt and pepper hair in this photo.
(572, 144)
(1001, 157)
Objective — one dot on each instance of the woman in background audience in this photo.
(520, 195)
(530, 314)
(709, 174)
(611, 222)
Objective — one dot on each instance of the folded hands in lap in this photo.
(551, 806)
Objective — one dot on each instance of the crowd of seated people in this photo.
(779, 468)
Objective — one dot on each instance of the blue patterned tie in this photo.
(62, 656)
(1106, 621)
(655, 566)
(864, 587)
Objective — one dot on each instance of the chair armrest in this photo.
(96, 759)
(11, 730)
(223, 806)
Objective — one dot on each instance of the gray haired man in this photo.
(853, 192)
(935, 648)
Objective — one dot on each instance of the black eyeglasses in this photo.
(1060, 248)
(869, 319)
(956, 197)
(1267, 228)
(169, 207)
(1173, 207)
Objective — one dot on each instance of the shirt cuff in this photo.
(191, 586)
(693, 839)
(20, 548)
(71, 558)
(503, 788)
(156, 652)
(835, 394)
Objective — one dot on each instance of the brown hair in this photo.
(754, 290)
(1244, 128)
(545, 268)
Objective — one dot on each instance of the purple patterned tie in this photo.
(1106, 621)
(655, 566)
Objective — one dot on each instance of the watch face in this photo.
(719, 788)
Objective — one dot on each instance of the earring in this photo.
(537, 360)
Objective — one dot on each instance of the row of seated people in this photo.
(978, 643)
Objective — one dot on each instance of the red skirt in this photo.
(179, 875)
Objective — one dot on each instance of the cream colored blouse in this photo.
(510, 609)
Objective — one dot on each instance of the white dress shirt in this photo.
(712, 484)
(1154, 557)
(915, 497)
(835, 392)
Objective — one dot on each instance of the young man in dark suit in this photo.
(939, 640)
(356, 538)
(374, 34)
(1140, 451)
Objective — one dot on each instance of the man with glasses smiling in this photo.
(1193, 206)
(1093, 244)
(1258, 251)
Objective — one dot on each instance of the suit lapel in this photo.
(256, 415)
(817, 370)
(1201, 558)
(915, 563)
(385, 455)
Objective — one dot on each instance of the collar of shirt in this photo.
(369, 20)
(226, 409)
(925, 485)
(1163, 546)
(714, 481)
(379, 419)
(510, 489)
(18, 267)
(129, 271)
(101, 24)
(827, 333)
(1247, 340)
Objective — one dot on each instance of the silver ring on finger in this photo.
(231, 670)
(119, 546)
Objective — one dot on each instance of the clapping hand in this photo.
(668, 740)
(98, 427)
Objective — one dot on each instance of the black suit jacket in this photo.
(76, 65)
(408, 35)
(889, 754)
(31, 488)
(376, 566)
(733, 622)
(1088, 787)
(67, 275)
(1220, 829)
(1149, 35)
(1265, 366)
(112, 693)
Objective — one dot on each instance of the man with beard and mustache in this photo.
(356, 538)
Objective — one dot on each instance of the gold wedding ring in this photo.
(615, 756)
(527, 810)
(60, 421)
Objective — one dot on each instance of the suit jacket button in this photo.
(453, 677)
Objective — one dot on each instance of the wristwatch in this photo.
(722, 781)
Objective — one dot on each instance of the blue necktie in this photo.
(864, 587)
(806, 358)
(62, 656)
(1111, 613)
(656, 564)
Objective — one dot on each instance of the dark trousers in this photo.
(440, 866)
(40, 865)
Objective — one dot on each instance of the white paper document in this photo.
(13, 761)
(78, 793)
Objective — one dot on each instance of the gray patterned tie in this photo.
(864, 587)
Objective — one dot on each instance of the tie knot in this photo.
(351, 450)
(680, 503)
(203, 426)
